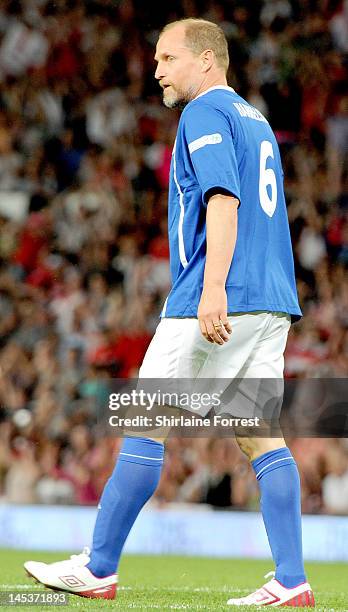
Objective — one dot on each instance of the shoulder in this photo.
(207, 110)
(212, 100)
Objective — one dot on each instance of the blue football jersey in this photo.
(225, 143)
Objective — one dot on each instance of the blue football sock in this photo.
(133, 481)
(279, 483)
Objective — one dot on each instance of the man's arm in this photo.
(221, 222)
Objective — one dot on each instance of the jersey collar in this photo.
(226, 87)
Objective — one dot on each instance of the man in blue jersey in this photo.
(228, 313)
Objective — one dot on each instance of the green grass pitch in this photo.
(180, 583)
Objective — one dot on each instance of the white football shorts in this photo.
(250, 364)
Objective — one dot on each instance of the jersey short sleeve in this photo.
(210, 145)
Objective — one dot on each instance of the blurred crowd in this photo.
(85, 148)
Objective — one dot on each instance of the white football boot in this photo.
(275, 594)
(72, 576)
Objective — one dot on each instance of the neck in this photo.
(218, 80)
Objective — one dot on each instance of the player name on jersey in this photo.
(245, 110)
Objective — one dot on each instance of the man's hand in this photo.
(212, 315)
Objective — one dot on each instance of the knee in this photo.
(159, 434)
(254, 447)
(247, 446)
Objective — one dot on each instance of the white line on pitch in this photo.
(185, 589)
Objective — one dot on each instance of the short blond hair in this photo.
(201, 35)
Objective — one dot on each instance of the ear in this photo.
(207, 59)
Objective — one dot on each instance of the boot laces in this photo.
(82, 558)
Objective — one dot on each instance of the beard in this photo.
(177, 99)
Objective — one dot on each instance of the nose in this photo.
(159, 73)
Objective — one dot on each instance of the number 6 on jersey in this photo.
(267, 177)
